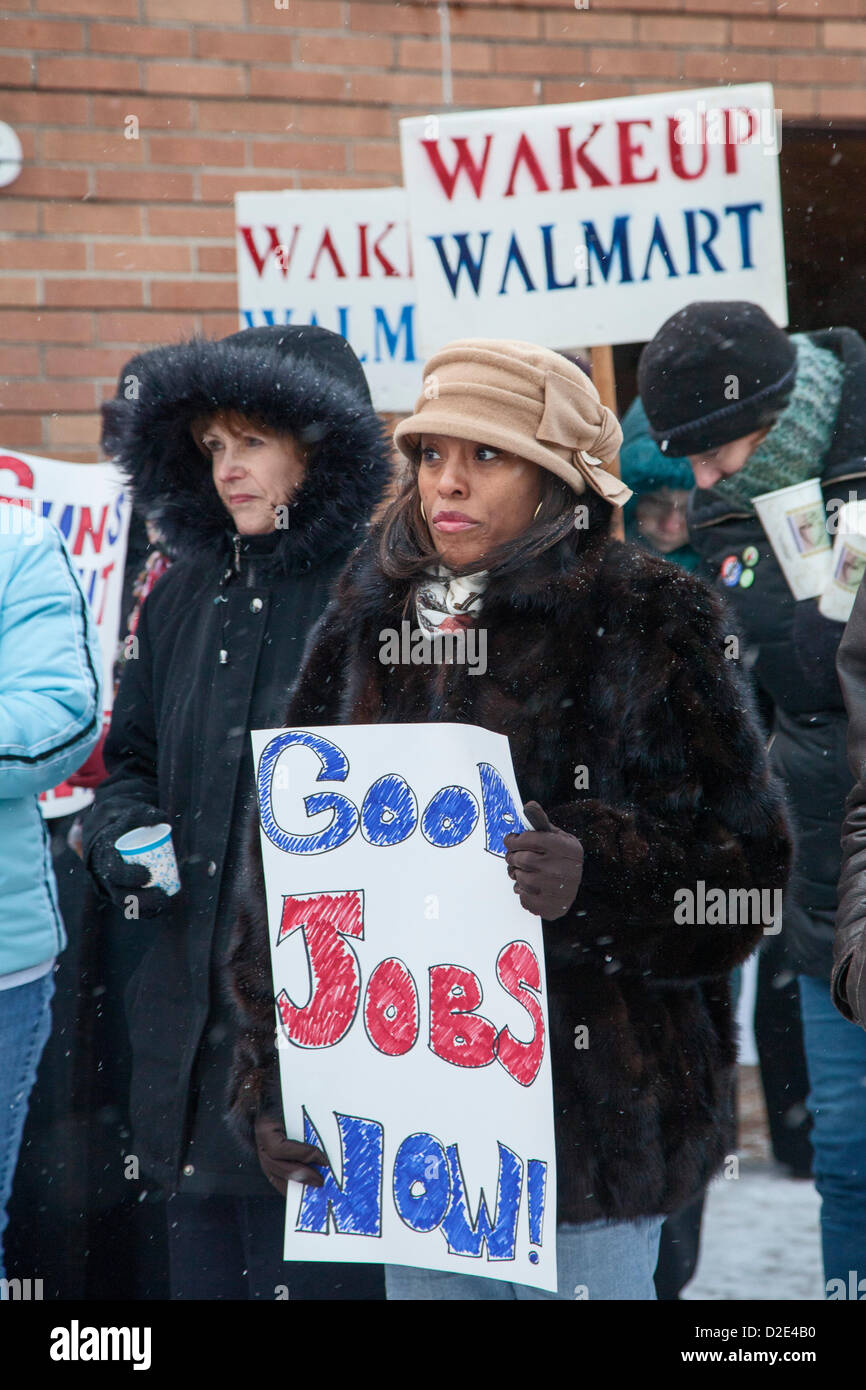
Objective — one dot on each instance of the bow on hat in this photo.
(574, 418)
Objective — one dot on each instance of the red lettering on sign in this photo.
(518, 972)
(391, 1008)
(457, 1034)
(465, 161)
(325, 919)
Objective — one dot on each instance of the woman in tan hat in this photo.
(635, 747)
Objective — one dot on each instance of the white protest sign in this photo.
(411, 999)
(592, 222)
(340, 259)
(89, 505)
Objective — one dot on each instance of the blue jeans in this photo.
(599, 1260)
(25, 1024)
(836, 1058)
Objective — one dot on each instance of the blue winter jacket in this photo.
(50, 719)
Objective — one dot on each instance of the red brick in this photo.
(141, 39)
(49, 183)
(257, 116)
(119, 9)
(191, 222)
(94, 293)
(730, 7)
(199, 79)
(219, 325)
(726, 65)
(15, 72)
(634, 62)
(425, 55)
(19, 254)
(299, 14)
(49, 395)
(216, 260)
(554, 90)
(399, 89)
(293, 85)
(343, 180)
(536, 59)
(675, 29)
(18, 361)
(289, 154)
(194, 294)
(390, 19)
(84, 362)
(819, 68)
(834, 103)
(50, 327)
(100, 219)
(143, 329)
(840, 9)
(220, 12)
(90, 147)
(844, 36)
(22, 431)
(140, 186)
(18, 217)
(89, 74)
(484, 24)
(352, 51)
(586, 27)
(344, 120)
(773, 34)
(157, 113)
(176, 149)
(75, 429)
(141, 256)
(44, 107)
(494, 91)
(235, 47)
(377, 159)
(18, 289)
(221, 188)
(41, 33)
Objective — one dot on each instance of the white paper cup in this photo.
(796, 526)
(849, 563)
(151, 846)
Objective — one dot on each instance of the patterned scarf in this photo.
(448, 603)
(799, 441)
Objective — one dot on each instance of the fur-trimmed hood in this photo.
(285, 382)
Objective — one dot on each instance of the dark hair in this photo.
(406, 552)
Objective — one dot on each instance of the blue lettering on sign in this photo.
(356, 1205)
(450, 817)
(382, 328)
(467, 1237)
(390, 812)
(335, 768)
(501, 816)
(422, 1182)
(465, 260)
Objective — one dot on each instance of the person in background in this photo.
(50, 719)
(757, 410)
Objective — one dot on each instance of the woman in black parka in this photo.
(600, 658)
(260, 458)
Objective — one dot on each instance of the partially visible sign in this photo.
(411, 1000)
(339, 259)
(592, 222)
(95, 531)
(11, 155)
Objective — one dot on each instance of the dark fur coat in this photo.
(600, 656)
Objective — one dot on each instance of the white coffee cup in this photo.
(849, 562)
(796, 526)
(151, 846)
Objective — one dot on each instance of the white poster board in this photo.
(411, 1000)
(340, 259)
(90, 506)
(592, 222)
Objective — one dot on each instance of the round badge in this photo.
(751, 556)
(731, 570)
(747, 579)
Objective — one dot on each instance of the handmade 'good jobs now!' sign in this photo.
(410, 1000)
(592, 222)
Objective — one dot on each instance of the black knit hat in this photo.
(714, 372)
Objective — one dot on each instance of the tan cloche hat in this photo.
(529, 400)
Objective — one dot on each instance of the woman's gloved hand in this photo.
(119, 879)
(285, 1160)
(546, 864)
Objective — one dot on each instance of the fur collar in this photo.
(150, 437)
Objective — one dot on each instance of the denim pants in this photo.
(598, 1260)
(836, 1058)
(25, 1024)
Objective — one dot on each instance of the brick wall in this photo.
(110, 244)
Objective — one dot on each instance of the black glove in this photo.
(546, 864)
(285, 1160)
(119, 879)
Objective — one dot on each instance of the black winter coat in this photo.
(605, 657)
(179, 735)
(790, 650)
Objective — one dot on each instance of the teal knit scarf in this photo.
(797, 444)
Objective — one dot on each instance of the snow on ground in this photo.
(760, 1237)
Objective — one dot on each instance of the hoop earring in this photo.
(423, 513)
(537, 510)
